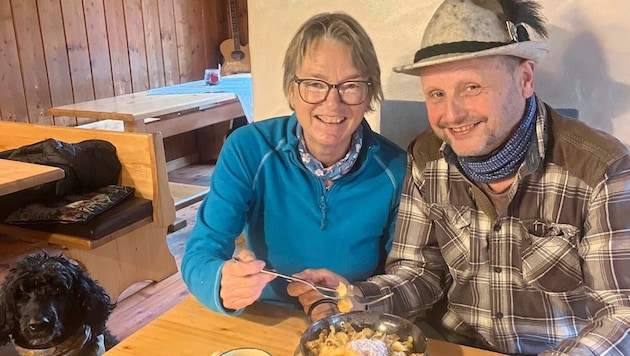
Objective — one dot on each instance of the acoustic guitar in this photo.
(235, 56)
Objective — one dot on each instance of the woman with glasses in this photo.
(316, 189)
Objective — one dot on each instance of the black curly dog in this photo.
(49, 303)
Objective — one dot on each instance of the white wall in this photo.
(588, 67)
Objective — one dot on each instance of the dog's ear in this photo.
(8, 315)
(96, 302)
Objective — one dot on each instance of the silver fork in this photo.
(326, 292)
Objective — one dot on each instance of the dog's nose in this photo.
(39, 325)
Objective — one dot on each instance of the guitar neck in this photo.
(234, 24)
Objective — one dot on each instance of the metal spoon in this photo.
(326, 292)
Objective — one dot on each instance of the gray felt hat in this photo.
(462, 29)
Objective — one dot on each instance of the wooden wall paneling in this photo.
(180, 11)
(136, 44)
(202, 33)
(224, 31)
(98, 48)
(78, 53)
(241, 14)
(189, 39)
(118, 51)
(155, 59)
(31, 54)
(56, 56)
(211, 27)
(169, 42)
(201, 46)
(13, 99)
(56, 52)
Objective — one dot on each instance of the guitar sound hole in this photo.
(238, 55)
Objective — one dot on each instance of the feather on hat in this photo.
(462, 29)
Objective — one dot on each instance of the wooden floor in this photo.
(144, 301)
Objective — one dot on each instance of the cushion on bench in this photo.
(72, 208)
(125, 213)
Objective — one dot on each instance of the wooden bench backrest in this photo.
(141, 155)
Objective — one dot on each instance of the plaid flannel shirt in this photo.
(550, 275)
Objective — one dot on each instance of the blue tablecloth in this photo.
(240, 85)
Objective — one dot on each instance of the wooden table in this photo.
(170, 114)
(189, 328)
(151, 113)
(18, 176)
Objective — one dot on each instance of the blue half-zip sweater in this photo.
(289, 219)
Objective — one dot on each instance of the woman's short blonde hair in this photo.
(339, 27)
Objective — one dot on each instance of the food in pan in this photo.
(365, 342)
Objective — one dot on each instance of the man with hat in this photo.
(514, 217)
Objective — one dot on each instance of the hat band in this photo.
(455, 47)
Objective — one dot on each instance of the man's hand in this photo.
(241, 282)
(307, 296)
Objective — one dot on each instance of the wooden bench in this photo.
(183, 194)
(133, 253)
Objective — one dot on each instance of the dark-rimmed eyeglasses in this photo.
(315, 91)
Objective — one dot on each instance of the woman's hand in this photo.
(241, 282)
(307, 296)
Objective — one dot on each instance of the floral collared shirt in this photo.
(550, 275)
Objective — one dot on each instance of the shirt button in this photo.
(498, 315)
(497, 227)
(497, 269)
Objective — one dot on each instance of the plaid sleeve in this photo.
(415, 269)
(605, 250)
